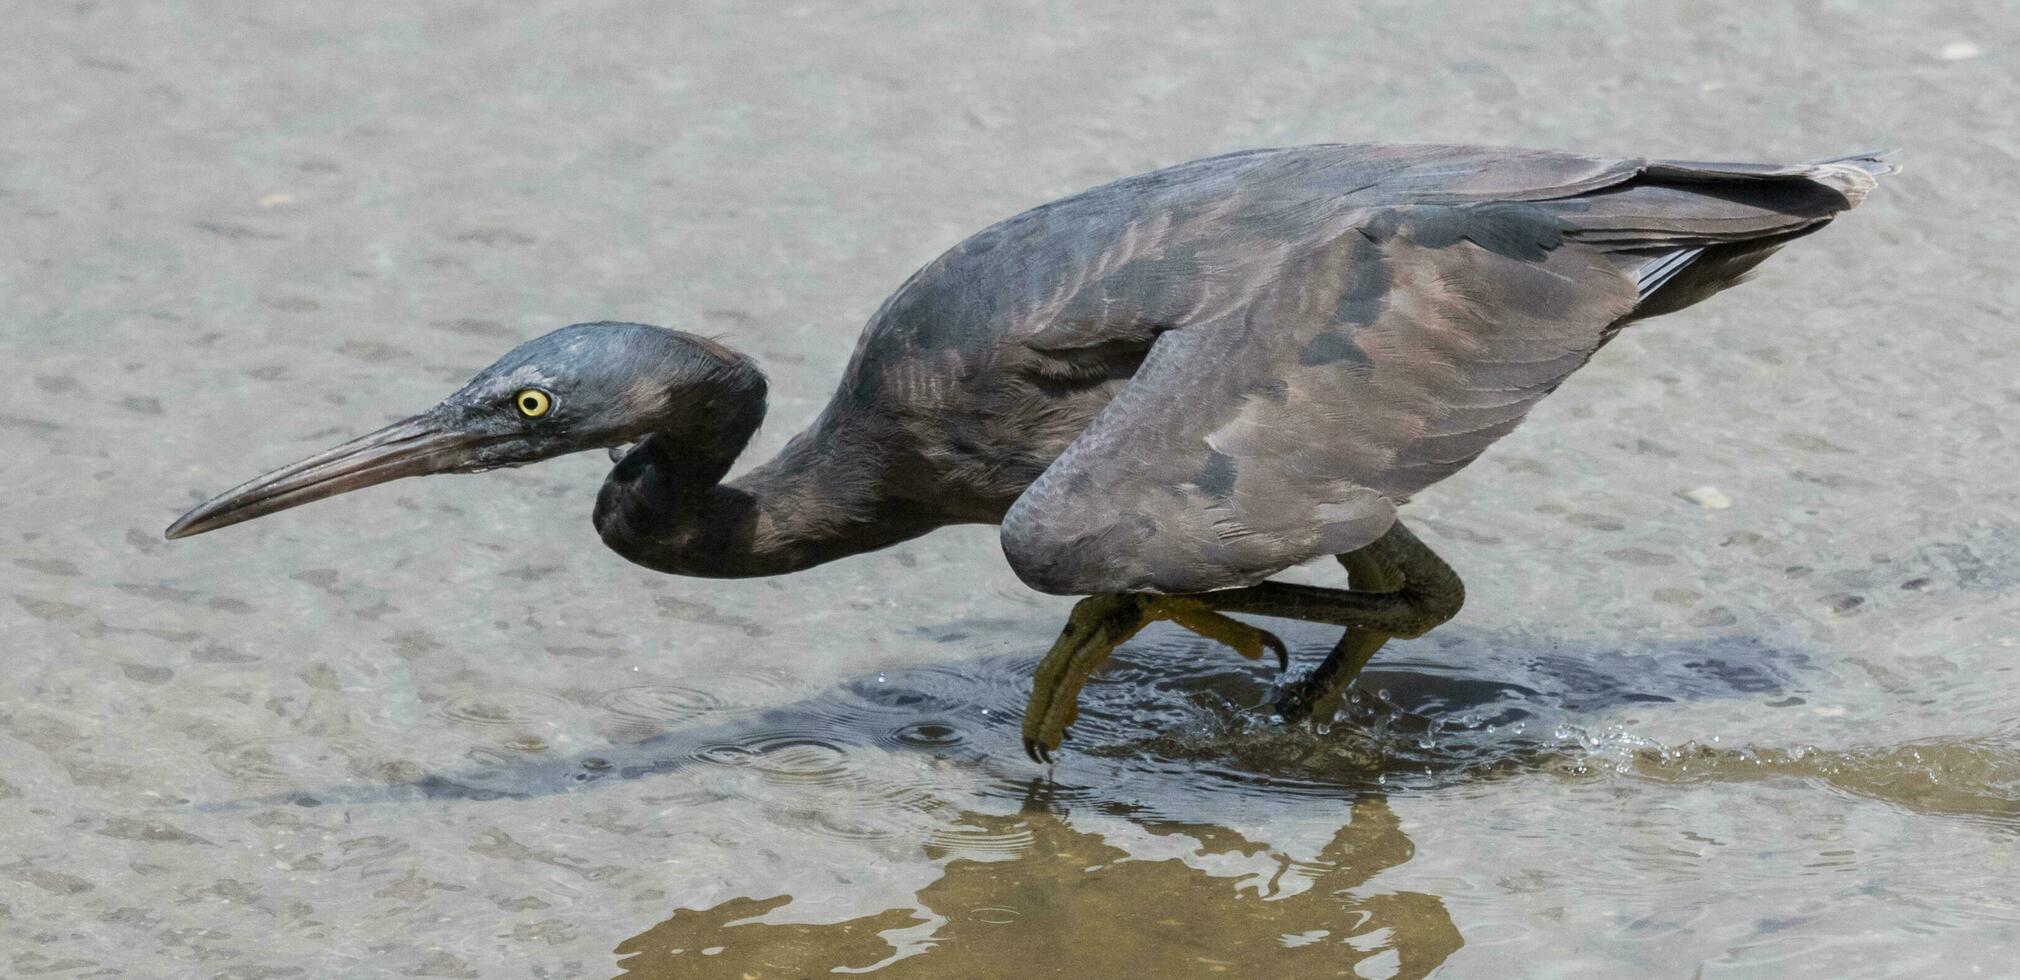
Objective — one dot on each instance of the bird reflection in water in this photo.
(1088, 909)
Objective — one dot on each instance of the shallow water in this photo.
(435, 730)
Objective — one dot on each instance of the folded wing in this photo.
(1378, 356)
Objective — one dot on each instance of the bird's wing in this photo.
(1289, 423)
(1307, 397)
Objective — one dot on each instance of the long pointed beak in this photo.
(413, 447)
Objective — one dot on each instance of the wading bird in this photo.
(1165, 389)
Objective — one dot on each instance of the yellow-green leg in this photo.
(1366, 572)
(1099, 624)
(1400, 588)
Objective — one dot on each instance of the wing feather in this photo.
(1291, 428)
(1357, 324)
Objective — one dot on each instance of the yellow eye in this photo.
(532, 402)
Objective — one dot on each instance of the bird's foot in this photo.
(1300, 698)
(1321, 689)
(1099, 624)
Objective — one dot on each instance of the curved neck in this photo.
(665, 508)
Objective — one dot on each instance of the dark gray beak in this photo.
(413, 447)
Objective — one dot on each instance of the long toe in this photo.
(1276, 644)
(1097, 625)
(1249, 641)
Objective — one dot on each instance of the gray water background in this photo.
(435, 729)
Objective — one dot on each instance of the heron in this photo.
(1166, 390)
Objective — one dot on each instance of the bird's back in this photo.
(986, 365)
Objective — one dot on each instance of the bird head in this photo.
(587, 386)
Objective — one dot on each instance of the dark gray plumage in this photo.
(1339, 351)
(1183, 380)
(1179, 382)
(1208, 373)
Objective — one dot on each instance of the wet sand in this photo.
(434, 729)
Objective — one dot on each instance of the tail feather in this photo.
(1687, 230)
(1693, 275)
(1879, 163)
(1663, 267)
(1855, 175)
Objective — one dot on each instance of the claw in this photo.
(1283, 652)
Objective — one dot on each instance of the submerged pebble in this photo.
(1707, 497)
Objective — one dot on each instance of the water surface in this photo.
(435, 730)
